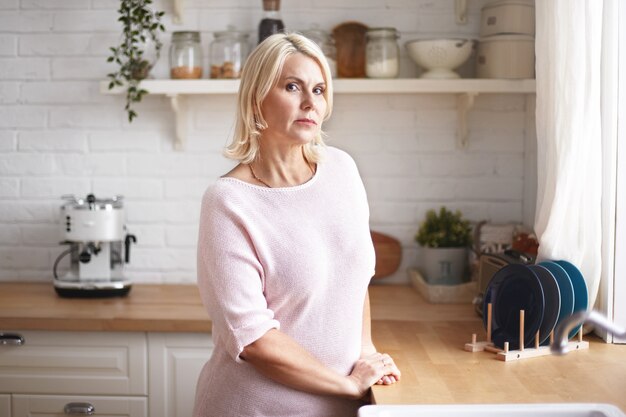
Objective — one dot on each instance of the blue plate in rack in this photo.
(566, 289)
(513, 288)
(581, 295)
(552, 298)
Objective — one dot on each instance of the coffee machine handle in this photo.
(127, 243)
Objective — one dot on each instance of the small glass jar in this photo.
(382, 53)
(326, 44)
(186, 55)
(229, 51)
(271, 22)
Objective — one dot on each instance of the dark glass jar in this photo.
(271, 22)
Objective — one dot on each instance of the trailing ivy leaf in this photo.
(139, 21)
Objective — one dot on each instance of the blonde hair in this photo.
(260, 73)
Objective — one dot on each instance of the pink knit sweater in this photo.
(298, 259)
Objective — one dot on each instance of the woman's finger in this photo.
(392, 370)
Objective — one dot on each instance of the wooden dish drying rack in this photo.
(523, 352)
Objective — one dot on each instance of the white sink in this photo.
(493, 410)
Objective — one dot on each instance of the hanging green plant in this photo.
(141, 32)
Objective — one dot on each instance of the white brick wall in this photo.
(59, 135)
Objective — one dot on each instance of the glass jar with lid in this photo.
(185, 55)
(271, 22)
(228, 53)
(326, 44)
(382, 54)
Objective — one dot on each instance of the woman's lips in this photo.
(307, 121)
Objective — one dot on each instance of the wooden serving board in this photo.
(350, 42)
(388, 254)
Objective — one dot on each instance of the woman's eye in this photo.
(292, 87)
(318, 90)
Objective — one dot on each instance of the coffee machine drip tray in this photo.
(95, 289)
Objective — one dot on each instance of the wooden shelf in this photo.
(466, 90)
(346, 86)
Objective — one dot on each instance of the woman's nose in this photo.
(308, 102)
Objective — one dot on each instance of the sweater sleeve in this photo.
(230, 276)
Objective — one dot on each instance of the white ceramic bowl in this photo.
(439, 56)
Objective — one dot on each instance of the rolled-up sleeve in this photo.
(230, 277)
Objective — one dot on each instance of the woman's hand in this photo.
(376, 368)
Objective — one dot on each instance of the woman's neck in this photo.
(282, 167)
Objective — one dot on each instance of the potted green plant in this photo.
(444, 237)
(140, 39)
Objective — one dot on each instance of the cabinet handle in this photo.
(83, 409)
(14, 339)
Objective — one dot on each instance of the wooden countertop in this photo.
(147, 308)
(426, 341)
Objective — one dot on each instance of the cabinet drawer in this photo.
(54, 405)
(5, 405)
(108, 363)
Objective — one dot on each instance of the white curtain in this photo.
(568, 218)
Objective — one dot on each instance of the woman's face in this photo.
(295, 106)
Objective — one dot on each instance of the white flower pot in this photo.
(444, 266)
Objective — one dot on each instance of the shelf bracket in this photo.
(179, 105)
(460, 10)
(179, 7)
(464, 103)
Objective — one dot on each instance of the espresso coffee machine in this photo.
(98, 248)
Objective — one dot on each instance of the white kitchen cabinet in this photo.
(118, 373)
(5, 405)
(57, 405)
(103, 363)
(175, 361)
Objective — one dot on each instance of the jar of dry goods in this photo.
(326, 44)
(185, 55)
(228, 52)
(382, 53)
(271, 22)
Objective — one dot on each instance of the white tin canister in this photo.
(506, 56)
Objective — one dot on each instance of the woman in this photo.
(285, 254)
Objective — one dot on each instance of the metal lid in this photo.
(235, 34)
(381, 32)
(431, 39)
(499, 38)
(191, 36)
(497, 3)
(92, 203)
